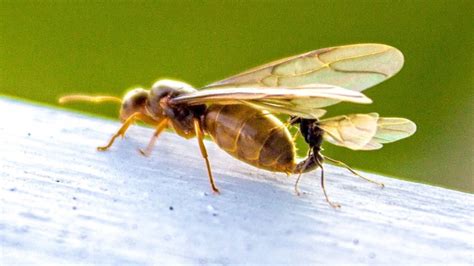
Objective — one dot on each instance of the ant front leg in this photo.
(121, 132)
(305, 165)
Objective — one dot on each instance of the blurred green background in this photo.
(53, 48)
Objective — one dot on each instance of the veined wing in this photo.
(391, 129)
(355, 67)
(365, 131)
(294, 85)
(350, 131)
(302, 101)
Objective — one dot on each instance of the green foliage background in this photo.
(49, 48)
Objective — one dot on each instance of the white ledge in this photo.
(64, 202)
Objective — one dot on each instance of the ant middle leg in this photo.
(200, 137)
(160, 128)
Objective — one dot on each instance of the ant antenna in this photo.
(353, 171)
(88, 98)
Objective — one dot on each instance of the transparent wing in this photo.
(391, 129)
(366, 131)
(351, 131)
(302, 101)
(355, 67)
(300, 78)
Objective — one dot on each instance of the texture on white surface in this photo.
(61, 201)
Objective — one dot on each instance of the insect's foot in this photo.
(297, 192)
(144, 152)
(102, 148)
(334, 205)
(216, 191)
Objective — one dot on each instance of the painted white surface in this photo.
(61, 201)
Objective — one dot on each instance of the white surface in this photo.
(63, 202)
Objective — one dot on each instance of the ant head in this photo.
(134, 101)
(154, 102)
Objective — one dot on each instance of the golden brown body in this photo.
(230, 110)
(253, 136)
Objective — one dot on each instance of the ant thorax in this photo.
(181, 116)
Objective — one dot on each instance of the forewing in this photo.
(353, 131)
(286, 107)
(295, 85)
(302, 101)
(341, 130)
(355, 67)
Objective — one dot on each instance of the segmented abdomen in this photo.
(253, 136)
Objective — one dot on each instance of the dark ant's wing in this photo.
(365, 131)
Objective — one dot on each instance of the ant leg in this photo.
(295, 136)
(200, 137)
(123, 129)
(301, 172)
(161, 126)
(354, 172)
(334, 205)
(287, 125)
(291, 121)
